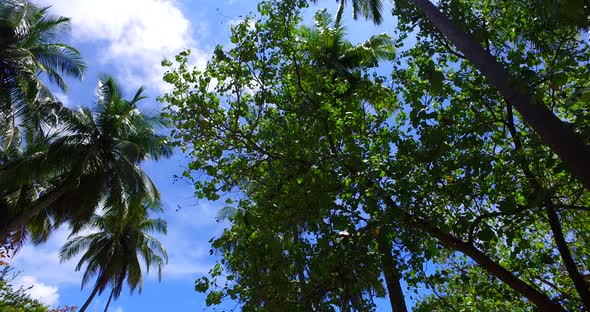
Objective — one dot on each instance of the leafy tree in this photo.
(553, 131)
(325, 276)
(94, 157)
(14, 299)
(536, 167)
(451, 26)
(432, 180)
(111, 254)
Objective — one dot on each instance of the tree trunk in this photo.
(553, 216)
(392, 278)
(534, 296)
(89, 300)
(32, 211)
(559, 136)
(109, 302)
(566, 256)
(306, 296)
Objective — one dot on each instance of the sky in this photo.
(128, 39)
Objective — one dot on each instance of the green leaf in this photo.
(202, 284)
(559, 79)
(486, 234)
(214, 298)
(436, 79)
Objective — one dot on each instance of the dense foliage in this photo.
(450, 155)
(429, 176)
(16, 299)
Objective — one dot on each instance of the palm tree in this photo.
(94, 157)
(30, 48)
(326, 46)
(14, 198)
(111, 254)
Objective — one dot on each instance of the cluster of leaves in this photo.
(343, 178)
(275, 242)
(14, 299)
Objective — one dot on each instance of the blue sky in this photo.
(128, 39)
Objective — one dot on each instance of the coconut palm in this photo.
(13, 198)
(111, 255)
(326, 46)
(94, 157)
(30, 48)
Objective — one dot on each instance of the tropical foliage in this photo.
(446, 162)
(30, 49)
(429, 176)
(94, 157)
(111, 253)
(60, 167)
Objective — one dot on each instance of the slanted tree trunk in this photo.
(556, 134)
(109, 302)
(566, 256)
(392, 278)
(37, 207)
(553, 217)
(536, 297)
(89, 300)
(539, 299)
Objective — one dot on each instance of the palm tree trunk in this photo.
(32, 211)
(89, 300)
(558, 135)
(392, 278)
(109, 302)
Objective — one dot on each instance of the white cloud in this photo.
(46, 294)
(134, 35)
(43, 262)
(118, 309)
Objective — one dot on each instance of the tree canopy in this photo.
(428, 175)
(443, 166)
